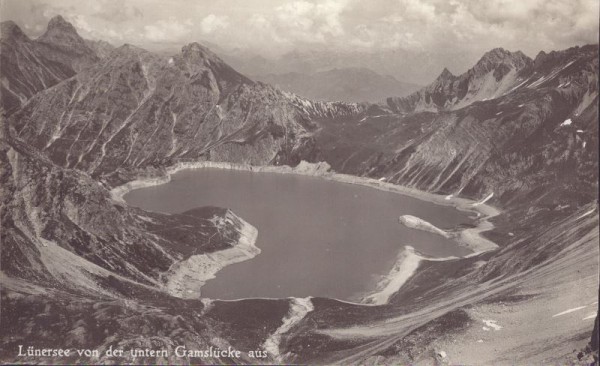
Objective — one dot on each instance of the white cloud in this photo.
(263, 31)
(442, 29)
(81, 24)
(415, 10)
(302, 21)
(212, 23)
(171, 29)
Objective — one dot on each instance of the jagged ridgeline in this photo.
(83, 270)
(191, 106)
(518, 127)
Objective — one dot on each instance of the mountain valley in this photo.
(82, 269)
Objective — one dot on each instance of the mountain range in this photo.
(412, 67)
(30, 66)
(496, 73)
(81, 269)
(346, 85)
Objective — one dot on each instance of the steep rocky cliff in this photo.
(30, 66)
(541, 136)
(495, 74)
(137, 109)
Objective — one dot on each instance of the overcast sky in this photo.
(273, 27)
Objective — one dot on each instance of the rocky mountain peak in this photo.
(500, 56)
(487, 79)
(445, 75)
(63, 34)
(10, 30)
(58, 22)
(196, 56)
(130, 49)
(546, 61)
(195, 52)
(498, 52)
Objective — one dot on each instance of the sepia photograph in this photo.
(299, 182)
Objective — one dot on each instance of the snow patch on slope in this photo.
(567, 122)
(492, 324)
(569, 311)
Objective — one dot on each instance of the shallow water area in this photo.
(317, 237)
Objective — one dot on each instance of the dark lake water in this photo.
(318, 237)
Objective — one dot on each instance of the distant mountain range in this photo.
(417, 68)
(347, 84)
(498, 73)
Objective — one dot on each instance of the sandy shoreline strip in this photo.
(407, 263)
(310, 169)
(185, 279)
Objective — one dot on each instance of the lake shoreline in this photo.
(186, 278)
(470, 238)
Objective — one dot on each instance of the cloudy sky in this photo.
(274, 27)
